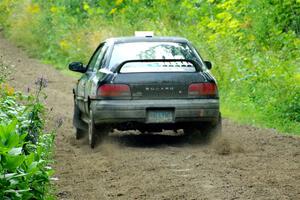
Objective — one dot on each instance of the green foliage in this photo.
(4, 72)
(25, 151)
(24, 173)
(254, 45)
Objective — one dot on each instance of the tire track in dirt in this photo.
(246, 163)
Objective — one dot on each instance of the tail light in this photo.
(203, 89)
(114, 90)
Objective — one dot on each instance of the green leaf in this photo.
(13, 162)
(29, 159)
(7, 176)
(33, 168)
(15, 151)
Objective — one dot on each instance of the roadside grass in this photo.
(70, 73)
(62, 67)
(250, 116)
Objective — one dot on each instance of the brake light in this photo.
(203, 89)
(114, 90)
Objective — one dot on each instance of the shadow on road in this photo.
(154, 140)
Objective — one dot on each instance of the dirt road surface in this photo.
(245, 163)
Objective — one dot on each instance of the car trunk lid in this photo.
(159, 85)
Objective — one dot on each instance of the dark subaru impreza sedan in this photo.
(148, 84)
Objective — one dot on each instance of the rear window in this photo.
(152, 51)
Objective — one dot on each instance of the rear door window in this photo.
(98, 57)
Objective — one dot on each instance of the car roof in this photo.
(146, 39)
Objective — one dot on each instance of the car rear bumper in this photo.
(184, 110)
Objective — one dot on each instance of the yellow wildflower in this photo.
(113, 11)
(8, 90)
(86, 6)
(64, 44)
(212, 38)
(224, 16)
(234, 24)
(297, 75)
(213, 25)
(122, 10)
(53, 9)
(297, 41)
(119, 2)
(33, 8)
(251, 37)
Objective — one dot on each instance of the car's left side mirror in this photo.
(77, 67)
(208, 64)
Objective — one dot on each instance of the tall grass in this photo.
(254, 45)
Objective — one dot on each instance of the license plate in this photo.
(160, 116)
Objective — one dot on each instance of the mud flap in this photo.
(77, 122)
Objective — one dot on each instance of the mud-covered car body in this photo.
(145, 83)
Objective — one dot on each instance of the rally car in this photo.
(145, 83)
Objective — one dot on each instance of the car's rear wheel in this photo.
(96, 132)
(79, 133)
(205, 132)
(79, 125)
(92, 131)
(213, 129)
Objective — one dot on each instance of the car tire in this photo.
(79, 133)
(96, 132)
(92, 131)
(206, 132)
(195, 135)
(214, 129)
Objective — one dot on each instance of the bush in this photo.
(25, 151)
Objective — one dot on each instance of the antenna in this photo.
(144, 33)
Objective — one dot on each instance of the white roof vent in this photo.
(144, 33)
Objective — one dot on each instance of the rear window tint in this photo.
(150, 50)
